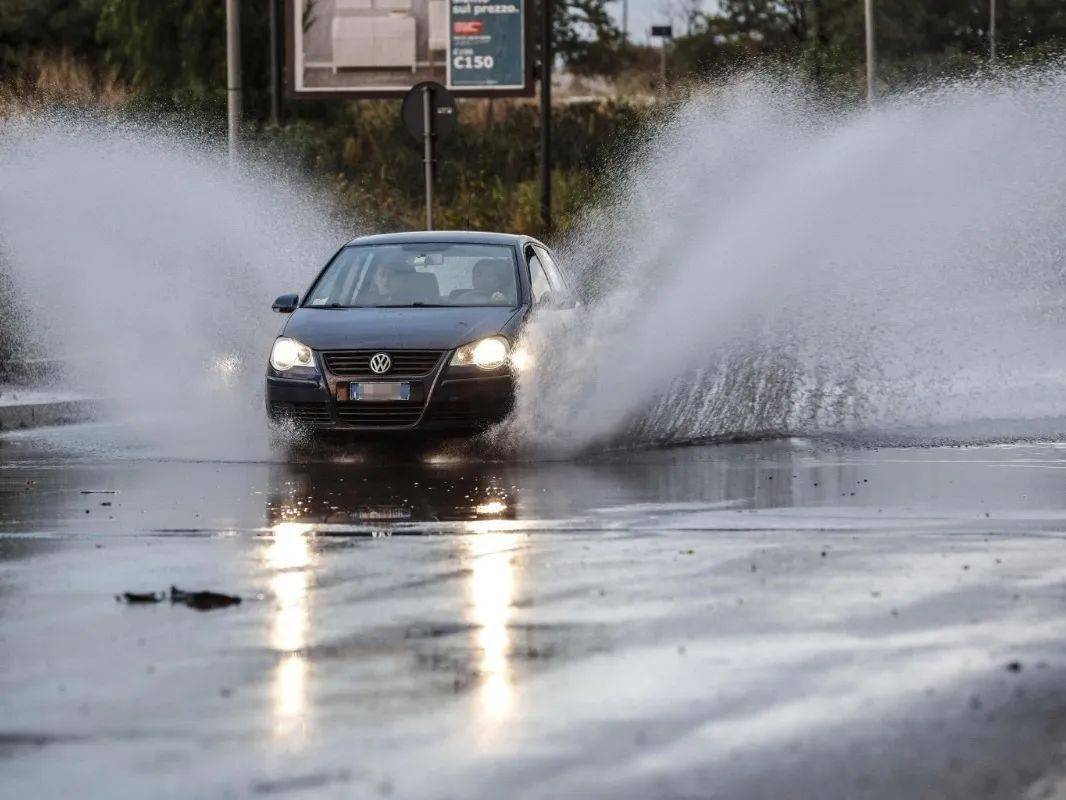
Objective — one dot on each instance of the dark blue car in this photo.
(411, 332)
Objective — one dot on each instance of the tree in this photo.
(175, 50)
(743, 29)
(773, 25)
(583, 34)
(35, 26)
(172, 49)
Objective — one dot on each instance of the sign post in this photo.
(664, 32)
(546, 57)
(427, 151)
(991, 30)
(428, 114)
(233, 76)
(871, 54)
(275, 64)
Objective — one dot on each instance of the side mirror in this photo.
(287, 303)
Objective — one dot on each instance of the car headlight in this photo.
(487, 353)
(289, 353)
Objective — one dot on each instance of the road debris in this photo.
(140, 597)
(201, 601)
(204, 600)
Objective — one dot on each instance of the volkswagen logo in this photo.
(380, 363)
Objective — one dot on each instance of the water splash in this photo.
(148, 264)
(772, 264)
(769, 264)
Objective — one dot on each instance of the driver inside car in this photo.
(383, 285)
(489, 278)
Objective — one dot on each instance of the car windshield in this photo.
(417, 275)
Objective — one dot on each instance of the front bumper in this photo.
(448, 399)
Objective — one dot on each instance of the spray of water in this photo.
(147, 264)
(772, 265)
(768, 265)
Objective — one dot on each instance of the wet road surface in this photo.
(787, 618)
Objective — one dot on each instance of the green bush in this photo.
(487, 173)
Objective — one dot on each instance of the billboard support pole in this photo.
(233, 75)
(275, 101)
(992, 30)
(427, 151)
(546, 57)
(871, 54)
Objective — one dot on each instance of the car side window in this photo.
(538, 280)
(555, 277)
(345, 270)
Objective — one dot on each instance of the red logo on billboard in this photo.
(472, 28)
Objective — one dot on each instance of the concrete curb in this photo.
(39, 415)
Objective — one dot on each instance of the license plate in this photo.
(383, 514)
(379, 390)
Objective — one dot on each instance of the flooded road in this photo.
(790, 618)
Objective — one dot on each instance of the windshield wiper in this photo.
(397, 305)
(415, 305)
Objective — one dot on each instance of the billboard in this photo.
(381, 48)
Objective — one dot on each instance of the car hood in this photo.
(416, 328)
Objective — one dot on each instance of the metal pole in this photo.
(275, 110)
(233, 75)
(546, 57)
(427, 151)
(871, 56)
(991, 30)
(662, 61)
(625, 20)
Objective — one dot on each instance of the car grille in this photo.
(379, 414)
(451, 415)
(356, 363)
(304, 412)
(465, 412)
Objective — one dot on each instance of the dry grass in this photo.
(59, 79)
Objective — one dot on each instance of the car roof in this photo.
(464, 237)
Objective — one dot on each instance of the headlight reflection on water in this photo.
(492, 593)
(491, 590)
(289, 556)
(490, 508)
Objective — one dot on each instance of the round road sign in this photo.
(442, 110)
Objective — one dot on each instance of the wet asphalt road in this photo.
(780, 619)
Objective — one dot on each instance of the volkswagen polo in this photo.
(411, 332)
